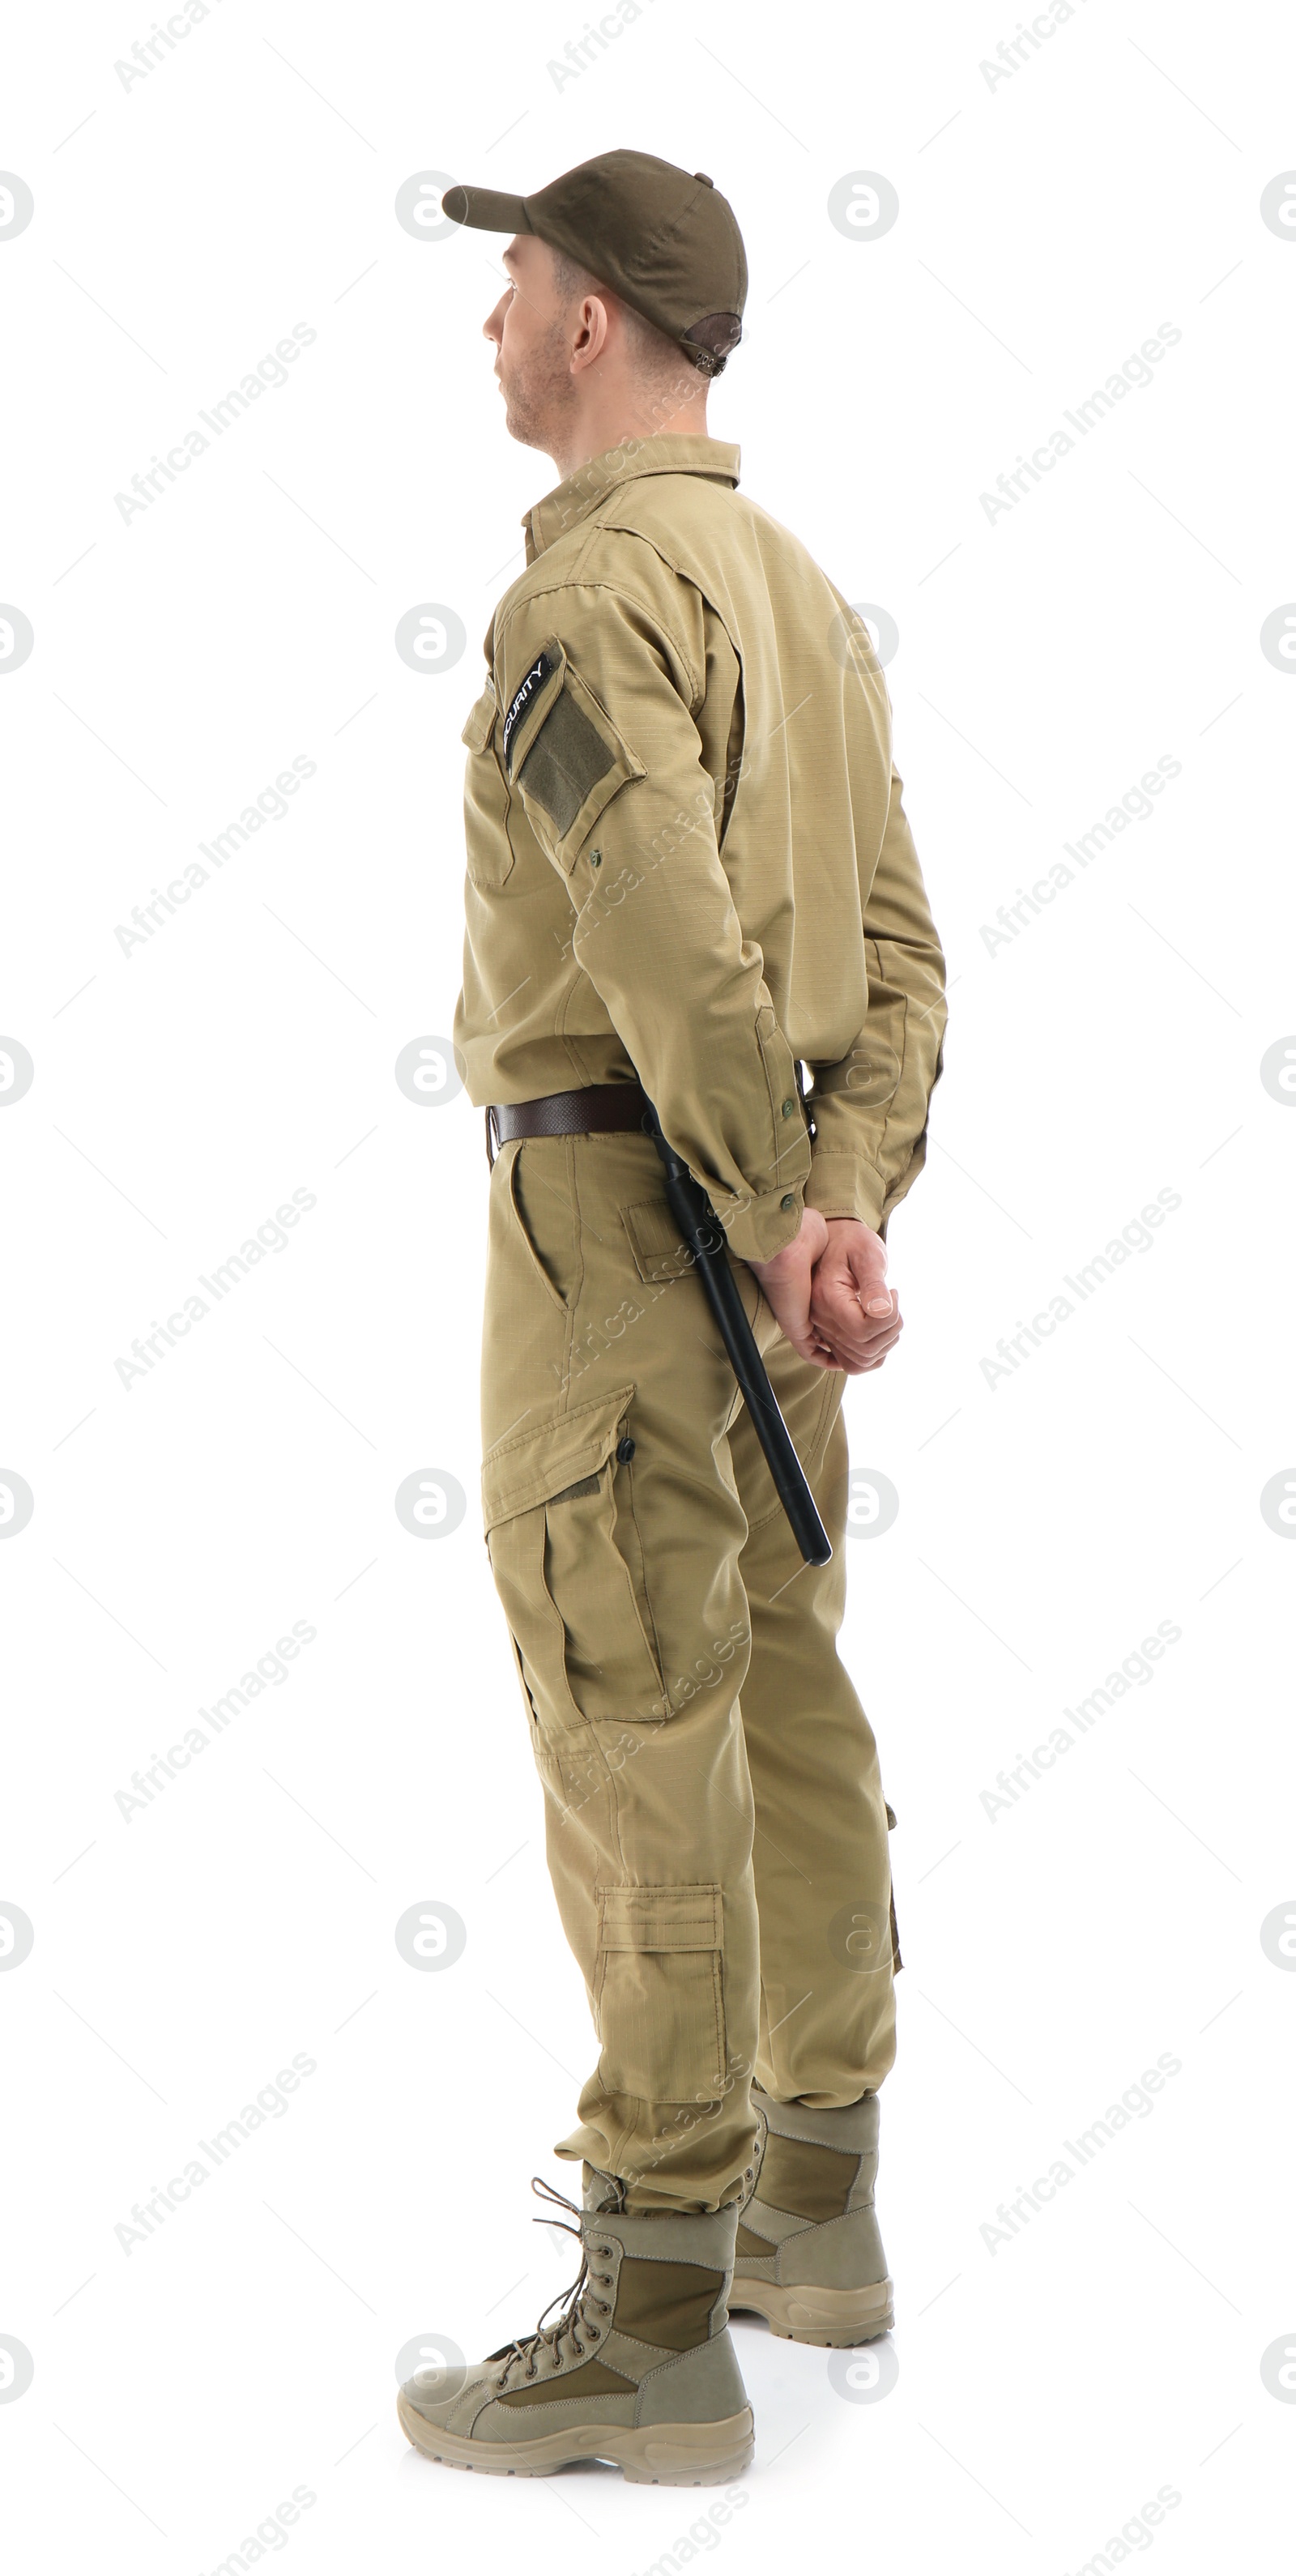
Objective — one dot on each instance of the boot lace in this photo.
(580, 2300)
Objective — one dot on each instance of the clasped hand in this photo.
(828, 1291)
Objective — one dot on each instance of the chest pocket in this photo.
(486, 798)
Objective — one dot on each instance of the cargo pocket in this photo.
(565, 754)
(659, 1993)
(557, 1503)
(897, 1962)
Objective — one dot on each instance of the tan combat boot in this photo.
(639, 2369)
(809, 2256)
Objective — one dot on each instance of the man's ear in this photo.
(593, 337)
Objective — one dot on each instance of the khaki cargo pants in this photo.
(715, 1825)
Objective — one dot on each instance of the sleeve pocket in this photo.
(568, 758)
(477, 731)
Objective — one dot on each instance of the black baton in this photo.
(705, 1237)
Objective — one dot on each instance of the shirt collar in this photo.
(592, 483)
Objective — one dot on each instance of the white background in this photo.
(1048, 2386)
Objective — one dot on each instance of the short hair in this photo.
(654, 352)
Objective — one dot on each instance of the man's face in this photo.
(528, 328)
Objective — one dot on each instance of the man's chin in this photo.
(523, 427)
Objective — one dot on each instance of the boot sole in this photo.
(659, 2455)
(809, 2314)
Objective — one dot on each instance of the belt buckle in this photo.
(492, 1139)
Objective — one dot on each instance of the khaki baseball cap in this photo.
(664, 239)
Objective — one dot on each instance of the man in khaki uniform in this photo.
(689, 875)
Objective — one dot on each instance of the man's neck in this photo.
(617, 426)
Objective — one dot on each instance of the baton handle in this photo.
(702, 1231)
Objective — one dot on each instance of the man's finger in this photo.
(842, 1316)
(867, 1257)
(854, 1283)
(860, 1349)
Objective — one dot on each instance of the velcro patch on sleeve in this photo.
(564, 752)
(565, 763)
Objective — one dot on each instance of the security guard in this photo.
(689, 875)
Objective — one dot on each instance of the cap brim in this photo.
(486, 210)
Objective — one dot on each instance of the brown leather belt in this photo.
(596, 1107)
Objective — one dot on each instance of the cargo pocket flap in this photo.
(477, 731)
(659, 1994)
(655, 1240)
(659, 1918)
(530, 1467)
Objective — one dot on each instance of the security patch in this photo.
(563, 753)
(542, 669)
(567, 760)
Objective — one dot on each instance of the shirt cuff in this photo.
(842, 1185)
(755, 1229)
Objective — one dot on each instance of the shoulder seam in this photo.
(616, 590)
(624, 528)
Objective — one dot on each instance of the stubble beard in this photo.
(539, 396)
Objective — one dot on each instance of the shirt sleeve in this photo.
(870, 1109)
(600, 744)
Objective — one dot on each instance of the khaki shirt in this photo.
(687, 854)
